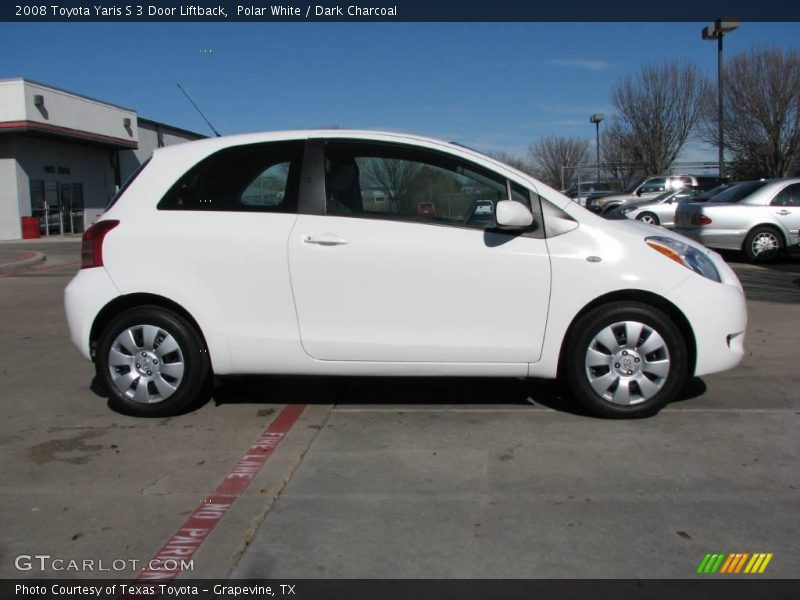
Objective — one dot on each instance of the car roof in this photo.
(218, 143)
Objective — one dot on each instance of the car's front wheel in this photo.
(625, 360)
(648, 217)
(152, 361)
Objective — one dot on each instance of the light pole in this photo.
(716, 32)
(596, 118)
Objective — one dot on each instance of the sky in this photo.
(491, 86)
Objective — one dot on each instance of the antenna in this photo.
(198, 110)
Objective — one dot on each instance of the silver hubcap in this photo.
(764, 243)
(648, 219)
(627, 362)
(146, 363)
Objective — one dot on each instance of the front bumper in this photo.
(718, 315)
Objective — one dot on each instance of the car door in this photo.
(375, 280)
(785, 207)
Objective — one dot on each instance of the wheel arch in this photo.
(632, 295)
(122, 303)
(769, 225)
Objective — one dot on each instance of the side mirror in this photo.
(639, 192)
(512, 215)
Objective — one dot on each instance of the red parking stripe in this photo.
(185, 542)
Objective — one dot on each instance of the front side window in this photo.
(256, 177)
(397, 182)
(656, 184)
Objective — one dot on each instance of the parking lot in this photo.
(418, 478)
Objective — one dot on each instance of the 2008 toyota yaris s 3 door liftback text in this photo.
(305, 252)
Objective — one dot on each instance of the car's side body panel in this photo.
(247, 321)
(399, 291)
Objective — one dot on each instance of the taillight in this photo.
(700, 219)
(92, 246)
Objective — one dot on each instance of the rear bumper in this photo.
(85, 296)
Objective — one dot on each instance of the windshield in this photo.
(632, 187)
(716, 190)
(737, 192)
(663, 197)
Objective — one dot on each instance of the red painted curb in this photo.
(182, 545)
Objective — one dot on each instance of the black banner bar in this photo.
(730, 588)
(398, 11)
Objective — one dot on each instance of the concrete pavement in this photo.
(401, 477)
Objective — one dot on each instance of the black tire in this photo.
(649, 217)
(576, 372)
(190, 359)
(757, 238)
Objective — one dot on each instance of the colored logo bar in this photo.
(737, 562)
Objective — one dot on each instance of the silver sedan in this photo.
(761, 218)
(660, 210)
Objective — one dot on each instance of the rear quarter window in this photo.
(251, 178)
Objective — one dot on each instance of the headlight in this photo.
(688, 256)
(629, 209)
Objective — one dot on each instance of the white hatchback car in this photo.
(268, 253)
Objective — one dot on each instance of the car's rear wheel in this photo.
(625, 360)
(763, 244)
(153, 362)
(648, 217)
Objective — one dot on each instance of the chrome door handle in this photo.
(325, 239)
(784, 212)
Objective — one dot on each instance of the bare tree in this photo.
(516, 162)
(658, 109)
(554, 157)
(394, 177)
(761, 110)
(621, 161)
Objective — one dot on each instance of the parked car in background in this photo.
(621, 211)
(579, 192)
(528, 284)
(425, 209)
(651, 188)
(760, 218)
(661, 210)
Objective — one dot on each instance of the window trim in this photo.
(534, 200)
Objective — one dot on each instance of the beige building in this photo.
(63, 155)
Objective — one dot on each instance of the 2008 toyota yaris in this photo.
(305, 252)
